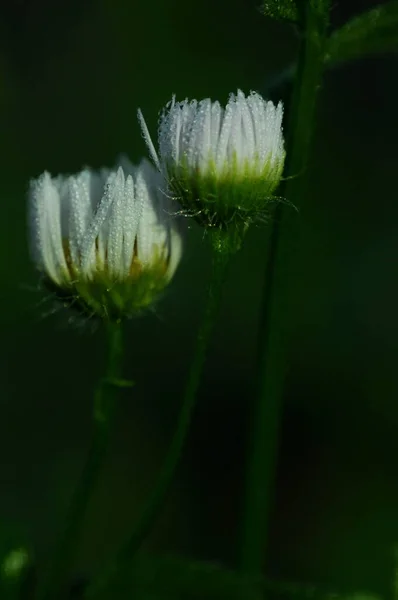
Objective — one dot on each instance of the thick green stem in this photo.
(104, 406)
(220, 261)
(273, 327)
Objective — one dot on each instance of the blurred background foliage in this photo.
(72, 74)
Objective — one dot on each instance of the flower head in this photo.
(104, 242)
(223, 164)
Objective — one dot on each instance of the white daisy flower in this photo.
(105, 241)
(221, 163)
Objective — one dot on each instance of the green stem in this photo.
(104, 406)
(272, 330)
(220, 261)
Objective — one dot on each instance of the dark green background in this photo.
(72, 75)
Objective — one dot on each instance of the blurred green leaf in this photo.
(14, 563)
(372, 32)
(177, 578)
(285, 10)
(15, 566)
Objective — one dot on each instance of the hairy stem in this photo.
(104, 407)
(272, 329)
(220, 261)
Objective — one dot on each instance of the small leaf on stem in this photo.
(285, 10)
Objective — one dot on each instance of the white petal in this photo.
(96, 229)
(225, 132)
(133, 210)
(258, 108)
(151, 232)
(188, 115)
(277, 139)
(247, 130)
(46, 223)
(217, 115)
(175, 252)
(174, 136)
(61, 184)
(169, 131)
(147, 138)
(53, 213)
(115, 226)
(236, 141)
(195, 133)
(80, 212)
(204, 141)
(40, 238)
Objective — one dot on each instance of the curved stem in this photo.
(220, 261)
(272, 335)
(103, 410)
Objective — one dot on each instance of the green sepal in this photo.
(226, 200)
(112, 299)
(372, 32)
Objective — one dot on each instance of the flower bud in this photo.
(222, 164)
(104, 242)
